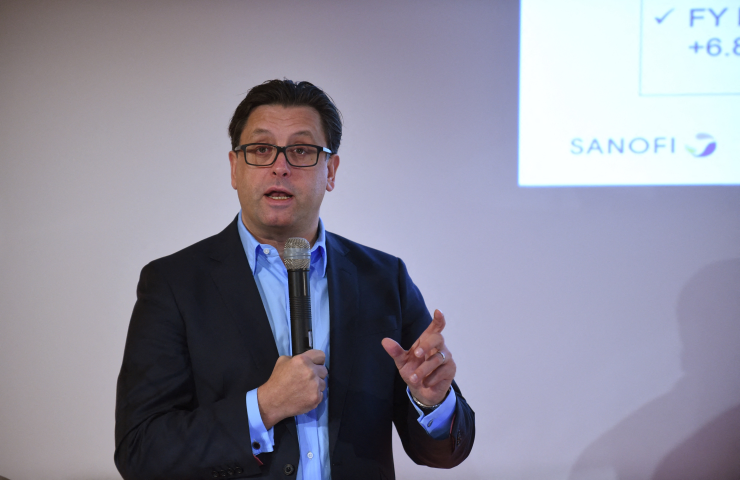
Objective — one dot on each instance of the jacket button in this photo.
(222, 473)
(230, 472)
(238, 470)
(288, 469)
(214, 474)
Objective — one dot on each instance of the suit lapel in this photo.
(343, 312)
(231, 273)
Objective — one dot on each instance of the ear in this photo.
(332, 165)
(233, 159)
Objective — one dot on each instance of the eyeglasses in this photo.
(265, 154)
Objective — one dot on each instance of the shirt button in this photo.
(430, 423)
(309, 454)
(267, 251)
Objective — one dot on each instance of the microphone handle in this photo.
(299, 294)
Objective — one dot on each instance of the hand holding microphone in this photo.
(296, 386)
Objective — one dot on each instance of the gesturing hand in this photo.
(295, 386)
(426, 371)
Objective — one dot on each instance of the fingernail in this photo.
(414, 378)
(419, 352)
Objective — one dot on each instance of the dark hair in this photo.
(289, 94)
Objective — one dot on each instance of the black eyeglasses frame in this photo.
(284, 150)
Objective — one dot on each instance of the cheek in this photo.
(321, 180)
(247, 184)
(319, 188)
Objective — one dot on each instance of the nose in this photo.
(281, 168)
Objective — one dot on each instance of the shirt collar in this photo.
(252, 248)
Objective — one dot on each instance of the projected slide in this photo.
(629, 92)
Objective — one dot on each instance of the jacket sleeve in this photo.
(162, 431)
(418, 444)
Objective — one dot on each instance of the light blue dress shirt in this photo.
(271, 278)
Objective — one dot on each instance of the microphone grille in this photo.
(297, 254)
(297, 242)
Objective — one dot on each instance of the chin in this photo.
(280, 223)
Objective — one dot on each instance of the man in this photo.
(208, 388)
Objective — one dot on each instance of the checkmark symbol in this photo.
(660, 19)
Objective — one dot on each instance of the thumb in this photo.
(397, 353)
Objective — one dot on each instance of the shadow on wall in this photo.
(693, 431)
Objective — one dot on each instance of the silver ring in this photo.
(444, 357)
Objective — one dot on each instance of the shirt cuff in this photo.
(437, 423)
(262, 439)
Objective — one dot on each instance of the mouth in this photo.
(278, 194)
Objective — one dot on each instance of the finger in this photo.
(419, 352)
(322, 386)
(433, 363)
(397, 353)
(316, 356)
(431, 344)
(321, 371)
(435, 327)
(438, 323)
(442, 375)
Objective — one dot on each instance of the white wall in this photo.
(595, 329)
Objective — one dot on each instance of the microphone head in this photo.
(297, 254)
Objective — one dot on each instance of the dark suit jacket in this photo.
(199, 339)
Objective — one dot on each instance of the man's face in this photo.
(282, 201)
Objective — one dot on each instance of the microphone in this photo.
(297, 259)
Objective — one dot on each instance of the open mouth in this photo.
(278, 194)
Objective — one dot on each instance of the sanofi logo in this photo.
(640, 146)
(709, 146)
(637, 145)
